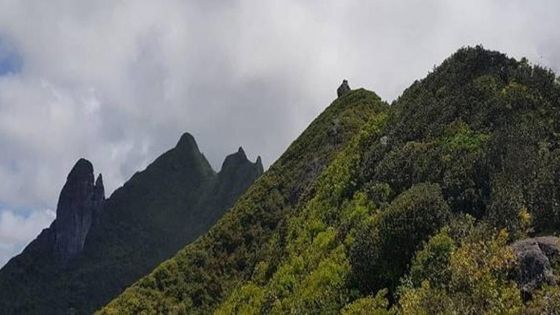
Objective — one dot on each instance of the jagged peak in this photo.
(79, 199)
(99, 187)
(187, 142)
(83, 169)
(241, 152)
(238, 158)
(259, 164)
(99, 181)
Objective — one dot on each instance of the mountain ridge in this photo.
(232, 247)
(413, 213)
(156, 212)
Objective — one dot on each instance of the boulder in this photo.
(343, 88)
(536, 257)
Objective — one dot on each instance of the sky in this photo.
(118, 82)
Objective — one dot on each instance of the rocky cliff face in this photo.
(237, 173)
(80, 201)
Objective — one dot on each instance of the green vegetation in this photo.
(382, 210)
(475, 277)
(410, 219)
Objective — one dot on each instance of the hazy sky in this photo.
(117, 82)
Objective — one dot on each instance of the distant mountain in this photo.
(427, 206)
(96, 247)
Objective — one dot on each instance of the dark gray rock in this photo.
(343, 88)
(535, 257)
(79, 202)
(259, 166)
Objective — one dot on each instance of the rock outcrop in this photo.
(236, 174)
(343, 88)
(79, 202)
(535, 257)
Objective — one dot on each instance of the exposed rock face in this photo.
(239, 159)
(343, 88)
(237, 174)
(535, 259)
(79, 202)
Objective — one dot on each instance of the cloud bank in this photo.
(117, 82)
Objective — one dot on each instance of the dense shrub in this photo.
(476, 277)
(376, 259)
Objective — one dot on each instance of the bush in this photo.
(432, 262)
(478, 278)
(383, 249)
(371, 305)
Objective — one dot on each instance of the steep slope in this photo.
(412, 215)
(199, 277)
(95, 248)
(463, 153)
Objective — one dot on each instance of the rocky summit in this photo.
(80, 202)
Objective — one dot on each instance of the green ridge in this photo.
(205, 272)
(463, 163)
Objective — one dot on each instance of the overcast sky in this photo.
(118, 82)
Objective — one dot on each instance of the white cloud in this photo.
(117, 82)
(16, 230)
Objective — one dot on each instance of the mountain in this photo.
(96, 247)
(207, 271)
(410, 208)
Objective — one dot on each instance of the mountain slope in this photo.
(159, 210)
(199, 277)
(412, 215)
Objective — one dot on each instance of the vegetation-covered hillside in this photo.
(412, 212)
(157, 212)
(202, 275)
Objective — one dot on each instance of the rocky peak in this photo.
(343, 88)
(241, 152)
(187, 143)
(239, 160)
(235, 159)
(99, 193)
(79, 201)
(238, 173)
(259, 165)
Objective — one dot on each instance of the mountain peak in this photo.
(79, 200)
(99, 191)
(238, 163)
(241, 152)
(99, 181)
(187, 142)
(235, 159)
(82, 170)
